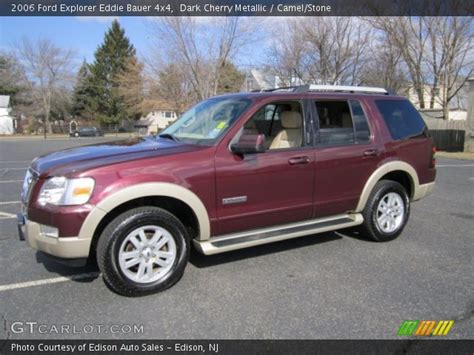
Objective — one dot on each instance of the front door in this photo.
(271, 188)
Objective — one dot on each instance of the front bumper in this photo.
(66, 247)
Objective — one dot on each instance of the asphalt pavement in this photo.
(331, 285)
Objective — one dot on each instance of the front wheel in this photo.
(386, 211)
(142, 251)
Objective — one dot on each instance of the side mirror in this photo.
(249, 144)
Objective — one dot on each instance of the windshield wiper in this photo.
(169, 136)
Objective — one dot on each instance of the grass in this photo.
(456, 155)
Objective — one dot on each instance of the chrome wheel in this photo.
(390, 212)
(147, 254)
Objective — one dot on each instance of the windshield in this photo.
(206, 122)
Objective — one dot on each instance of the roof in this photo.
(4, 101)
(288, 95)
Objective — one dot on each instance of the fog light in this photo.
(49, 231)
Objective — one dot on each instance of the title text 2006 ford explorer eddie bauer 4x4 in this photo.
(233, 172)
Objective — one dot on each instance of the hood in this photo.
(82, 158)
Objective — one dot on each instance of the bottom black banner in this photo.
(237, 346)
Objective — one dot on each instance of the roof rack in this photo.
(329, 88)
(296, 88)
(347, 88)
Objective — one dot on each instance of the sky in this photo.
(85, 34)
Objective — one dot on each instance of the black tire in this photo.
(115, 233)
(370, 228)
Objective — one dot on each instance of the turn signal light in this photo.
(81, 191)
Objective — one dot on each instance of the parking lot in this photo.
(332, 285)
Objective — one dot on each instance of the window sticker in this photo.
(221, 125)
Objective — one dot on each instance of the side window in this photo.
(360, 122)
(402, 119)
(280, 122)
(335, 123)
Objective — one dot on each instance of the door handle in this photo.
(299, 160)
(371, 153)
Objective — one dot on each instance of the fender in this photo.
(383, 170)
(145, 190)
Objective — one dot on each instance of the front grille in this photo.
(31, 178)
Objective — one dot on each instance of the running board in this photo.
(234, 241)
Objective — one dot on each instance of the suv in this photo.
(233, 172)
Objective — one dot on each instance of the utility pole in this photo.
(469, 137)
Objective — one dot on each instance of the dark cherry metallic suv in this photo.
(233, 172)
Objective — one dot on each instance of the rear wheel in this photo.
(142, 251)
(386, 212)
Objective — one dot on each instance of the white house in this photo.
(410, 92)
(6, 121)
(156, 120)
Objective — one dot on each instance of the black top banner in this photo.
(236, 8)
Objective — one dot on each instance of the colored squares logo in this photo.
(425, 328)
(443, 327)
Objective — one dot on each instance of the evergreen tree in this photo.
(111, 59)
(131, 88)
(231, 79)
(12, 78)
(82, 91)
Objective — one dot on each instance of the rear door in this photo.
(347, 152)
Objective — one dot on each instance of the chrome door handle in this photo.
(371, 153)
(299, 160)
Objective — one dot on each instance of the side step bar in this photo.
(234, 241)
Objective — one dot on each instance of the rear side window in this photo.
(335, 123)
(402, 119)
(342, 123)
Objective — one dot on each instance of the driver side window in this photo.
(280, 122)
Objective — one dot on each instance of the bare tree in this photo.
(171, 87)
(408, 34)
(288, 54)
(49, 69)
(437, 51)
(201, 48)
(451, 56)
(322, 50)
(384, 67)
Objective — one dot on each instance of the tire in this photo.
(385, 221)
(123, 237)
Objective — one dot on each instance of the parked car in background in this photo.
(233, 172)
(87, 132)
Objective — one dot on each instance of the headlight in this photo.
(63, 191)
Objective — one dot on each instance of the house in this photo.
(6, 121)
(265, 79)
(411, 94)
(256, 79)
(155, 121)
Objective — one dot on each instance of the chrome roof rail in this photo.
(347, 88)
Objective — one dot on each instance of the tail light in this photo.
(433, 159)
